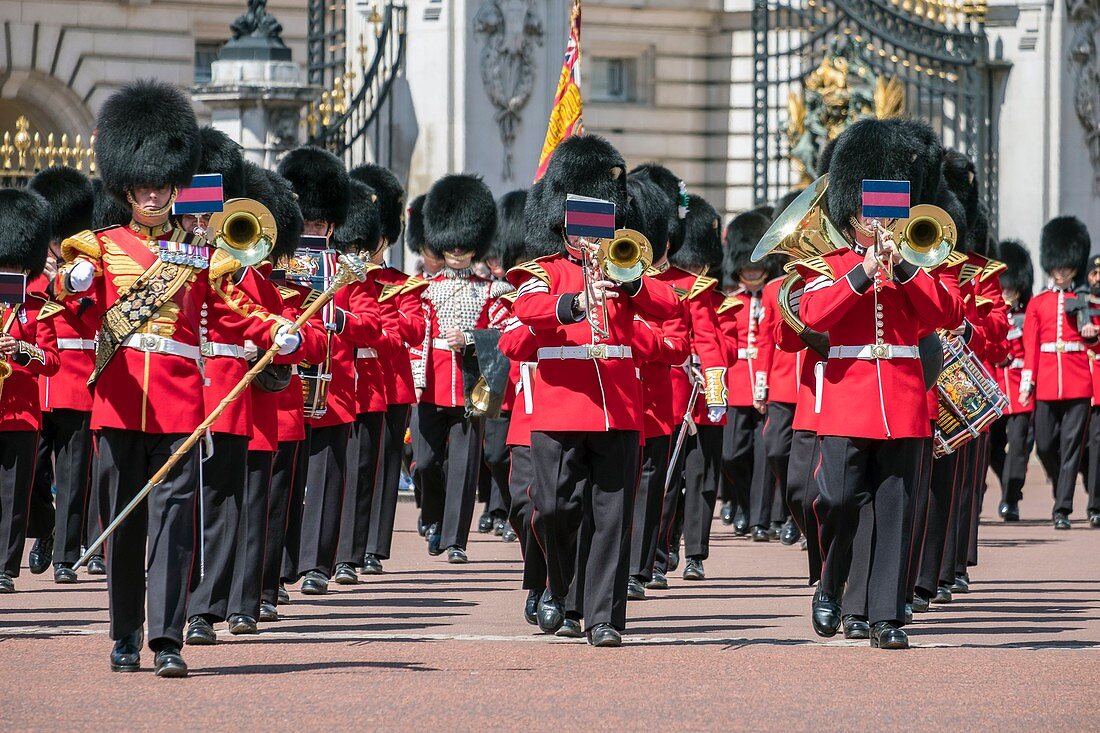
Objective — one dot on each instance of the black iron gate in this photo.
(821, 64)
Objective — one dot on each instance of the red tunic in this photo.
(517, 342)
(783, 369)
(811, 366)
(68, 389)
(370, 375)
(1008, 373)
(746, 374)
(19, 405)
(400, 302)
(1055, 358)
(660, 350)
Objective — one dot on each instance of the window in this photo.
(206, 52)
(614, 79)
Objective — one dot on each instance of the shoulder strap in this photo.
(49, 309)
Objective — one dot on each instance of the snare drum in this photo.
(969, 398)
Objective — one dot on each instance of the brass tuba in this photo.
(927, 237)
(245, 229)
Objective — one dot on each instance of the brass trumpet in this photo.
(626, 257)
(245, 229)
(927, 238)
(5, 365)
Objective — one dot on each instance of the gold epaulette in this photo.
(955, 259)
(510, 297)
(311, 298)
(533, 268)
(82, 243)
(681, 293)
(730, 303)
(980, 300)
(288, 293)
(701, 285)
(818, 265)
(389, 291)
(222, 263)
(993, 267)
(968, 271)
(652, 271)
(49, 309)
(414, 283)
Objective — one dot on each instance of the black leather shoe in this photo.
(693, 569)
(659, 582)
(509, 534)
(41, 555)
(919, 604)
(485, 523)
(824, 614)
(240, 623)
(372, 565)
(727, 513)
(284, 596)
(803, 544)
(635, 590)
(1010, 511)
(345, 574)
(421, 528)
(943, 595)
(531, 607)
(169, 663)
(740, 523)
(961, 584)
(885, 635)
(7, 585)
(314, 583)
(96, 566)
(775, 529)
(433, 538)
(604, 635)
(1094, 520)
(673, 560)
(268, 612)
(761, 534)
(550, 614)
(907, 613)
(200, 632)
(63, 574)
(856, 627)
(457, 556)
(1061, 521)
(790, 533)
(570, 629)
(126, 654)
(498, 527)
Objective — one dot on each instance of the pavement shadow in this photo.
(323, 667)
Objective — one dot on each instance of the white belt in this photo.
(1016, 364)
(874, 351)
(524, 385)
(589, 351)
(153, 344)
(441, 344)
(76, 344)
(210, 349)
(749, 353)
(1058, 347)
(366, 354)
(1015, 333)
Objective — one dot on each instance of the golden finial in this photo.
(325, 108)
(89, 153)
(375, 19)
(22, 142)
(6, 151)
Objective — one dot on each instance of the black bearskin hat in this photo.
(71, 197)
(650, 213)
(107, 210)
(742, 236)
(882, 149)
(1019, 274)
(585, 165)
(414, 229)
(221, 155)
(702, 245)
(24, 231)
(362, 230)
(1065, 242)
(321, 182)
(509, 244)
(276, 193)
(146, 135)
(460, 213)
(675, 190)
(391, 198)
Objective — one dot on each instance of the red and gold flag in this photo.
(565, 116)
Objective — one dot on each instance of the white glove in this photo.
(287, 342)
(715, 414)
(80, 277)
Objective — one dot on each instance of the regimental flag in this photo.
(885, 199)
(589, 218)
(13, 288)
(565, 116)
(203, 196)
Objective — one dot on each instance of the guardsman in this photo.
(1056, 365)
(460, 219)
(152, 285)
(28, 351)
(65, 443)
(586, 421)
(1093, 475)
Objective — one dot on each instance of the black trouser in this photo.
(364, 455)
(1011, 442)
(802, 492)
(946, 478)
(447, 447)
(324, 498)
(497, 460)
(778, 434)
(384, 500)
(1093, 479)
(521, 516)
(248, 565)
(646, 524)
(224, 475)
(702, 474)
(958, 522)
(672, 505)
(1061, 427)
(856, 472)
(744, 464)
(65, 462)
(966, 554)
(17, 459)
(127, 459)
(919, 511)
(40, 518)
(284, 517)
(605, 467)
